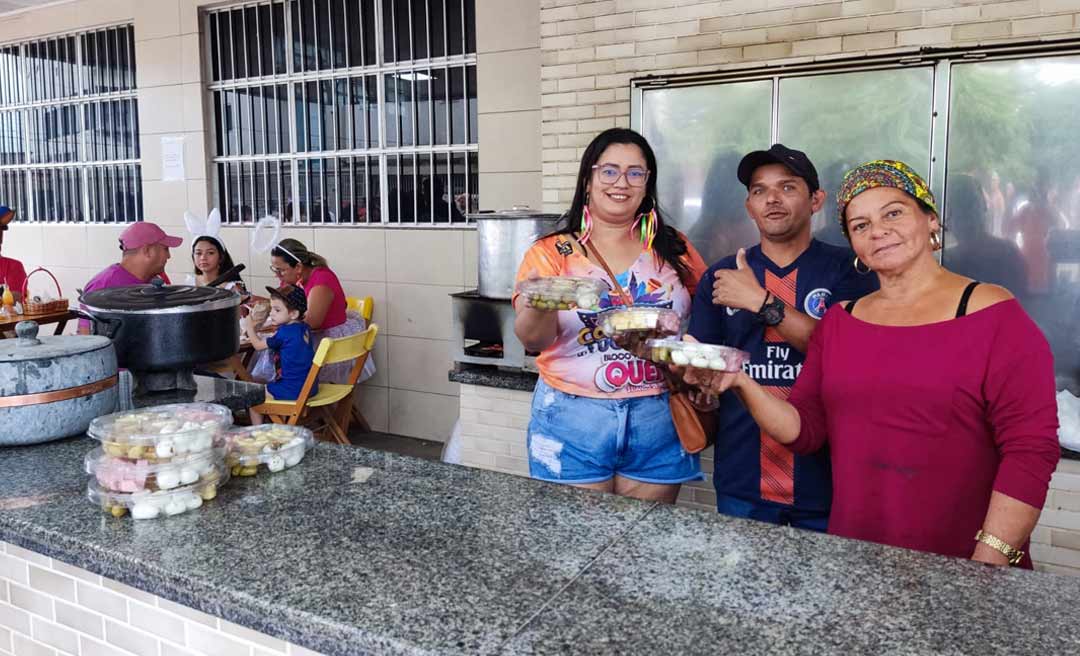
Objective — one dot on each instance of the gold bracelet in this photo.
(1012, 553)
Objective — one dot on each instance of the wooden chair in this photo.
(366, 307)
(331, 408)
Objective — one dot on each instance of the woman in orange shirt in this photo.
(600, 416)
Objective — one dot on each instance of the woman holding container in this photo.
(935, 394)
(600, 415)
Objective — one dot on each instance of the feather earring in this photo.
(647, 222)
(586, 225)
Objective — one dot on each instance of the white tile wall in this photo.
(54, 609)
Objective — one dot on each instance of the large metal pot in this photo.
(504, 237)
(52, 387)
(166, 327)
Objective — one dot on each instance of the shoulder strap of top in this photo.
(849, 306)
(961, 309)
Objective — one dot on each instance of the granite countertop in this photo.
(522, 381)
(355, 551)
(236, 395)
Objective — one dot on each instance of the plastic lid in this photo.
(163, 503)
(661, 320)
(697, 355)
(184, 425)
(569, 290)
(278, 447)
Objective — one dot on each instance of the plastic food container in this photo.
(274, 447)
(631, 327)
(165, 503)
(563, 292)
(162, 433)
(123, 475)
(699, 356)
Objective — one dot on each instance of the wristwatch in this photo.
(1012, 553)
(772, 311)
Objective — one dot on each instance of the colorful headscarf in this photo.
(882, 173)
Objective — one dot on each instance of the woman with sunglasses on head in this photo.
(935, 394)
(327, 307)
(600, 416)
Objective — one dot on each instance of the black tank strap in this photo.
(961, 309)
(849, 306)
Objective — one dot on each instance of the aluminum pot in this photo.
(53, 387)
(503, 239)
(162, 327)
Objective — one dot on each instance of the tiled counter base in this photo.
(49, 608)
(495, 411)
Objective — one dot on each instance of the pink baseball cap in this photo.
(144, 233)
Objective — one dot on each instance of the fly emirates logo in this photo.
(775, 369)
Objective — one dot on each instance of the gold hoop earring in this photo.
(935, 241)
(860, 270)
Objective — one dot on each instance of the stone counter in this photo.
(359, 552)
(494, 415)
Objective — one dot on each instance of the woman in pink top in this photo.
(935, 394)
(327, 314)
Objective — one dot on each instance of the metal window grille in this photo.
(344, 111)
(69, 132)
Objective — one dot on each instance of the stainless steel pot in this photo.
(503, 238)
(166, 327)
(52, 387)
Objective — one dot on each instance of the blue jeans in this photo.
(577, 439)
(773, 514)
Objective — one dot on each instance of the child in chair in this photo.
(290, 346)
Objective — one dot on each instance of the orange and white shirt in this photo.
(583, 361)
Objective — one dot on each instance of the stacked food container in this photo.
(272, 447)
(168, 460)
(158, 462)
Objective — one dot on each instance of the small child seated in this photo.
(291, 346)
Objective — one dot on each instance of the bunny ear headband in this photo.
(208, 227)
(267, 236)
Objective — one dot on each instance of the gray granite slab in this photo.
(523, 381)
(233, 394)
(418, 558)
(685, 582)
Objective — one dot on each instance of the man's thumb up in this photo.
(740, 259)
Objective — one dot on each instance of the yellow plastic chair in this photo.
(332, 407)
(365, 306)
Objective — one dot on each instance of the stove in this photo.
(483, 333)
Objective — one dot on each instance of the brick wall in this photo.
(48, 608)
(494, 421)
(591, 50)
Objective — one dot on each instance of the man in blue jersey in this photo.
(766, 300)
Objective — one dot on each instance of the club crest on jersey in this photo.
(816, 302)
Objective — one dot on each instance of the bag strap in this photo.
(627, 300)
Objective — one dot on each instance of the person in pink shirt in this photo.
(935, 395)
(327, 308)
(12, 271)
(145, 248)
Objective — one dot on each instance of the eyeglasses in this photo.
(276, 271)
(610, 174)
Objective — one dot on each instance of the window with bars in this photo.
(69, 132)
(344, 111)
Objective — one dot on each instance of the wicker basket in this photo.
(32, 307)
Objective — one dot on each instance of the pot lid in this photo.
(29, 346)
(516, 212)
(159, 298)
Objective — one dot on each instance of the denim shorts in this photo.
(577, 439)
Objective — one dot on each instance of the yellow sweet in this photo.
(117, 511)
(208, 492)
